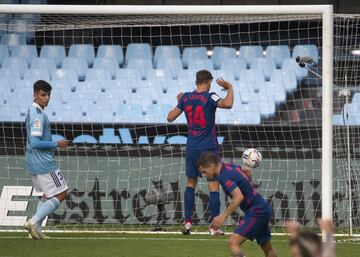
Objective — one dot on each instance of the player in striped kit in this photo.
(40, 160)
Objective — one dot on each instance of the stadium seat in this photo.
(251, 76)
(235, 65)
(290, 63)
(43, 63)
(250, 52)
(158, 74)
(68, 74)
(130, 74)
(245, 91)
(12, 40)
(278, 53)
(79, 64)
(64, 85)
(57, 52)
(267, 65)
(266, 104)
(37, 74)
(27, 51)
(277, 90)
(306, 50)
(101, 75)
(4, 52)
(111, 51)
(138, 51)
(248, 114)
(225, 74)
(338, 120)
(174, 65)
(17, 63)
(83, 50)
(193, 53)
(220, 53)
(200, 64)
(9, 73)
(131, 113)
(5, 85)
(286, 77)
(93, 87)
(142, 65)
(110, 64)
(166, 52)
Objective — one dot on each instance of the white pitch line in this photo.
(350, 241)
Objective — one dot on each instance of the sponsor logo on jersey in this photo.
(37, 123)
(215, 97)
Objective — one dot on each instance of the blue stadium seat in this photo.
(111, 51)
(267, 65)
(266, 104)
(131, 113)
(17, 63)
(277, 90)
(338, 120)
(221, 53)
(138, 51)
(37, 74)
(235, 65)
(142, 65)
(4, 52)
(83, 50)
(57, 52)
(101, 75)
(286, 77)
(174, 65)
(166, 52)
(356, 99)
(64, 85)
(192, 53)
(250, 52)
(13, 40)
(79, 64)
(200, 64)
(278, 53)
(27, 51)
(9, 73)
(225, 74)
(244, 91)
(44, 63)
(93, 87)
(251, 76)
(5, 85)
(110, 64)
(248, 114)
(290, 63)
(68, 74)
(158, 74)
(130, 74)
(24, 27)
(353, 114)
(306, 50)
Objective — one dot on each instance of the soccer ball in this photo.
(251, 158)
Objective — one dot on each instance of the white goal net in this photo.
(115, 77)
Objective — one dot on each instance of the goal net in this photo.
(115, 77)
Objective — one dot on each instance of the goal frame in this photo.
(326, 11)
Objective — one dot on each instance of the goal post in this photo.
(325, 12)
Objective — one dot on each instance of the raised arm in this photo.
(228, 101)
(236, 199)
(174, 113)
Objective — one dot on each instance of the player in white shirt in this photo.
(40, 160)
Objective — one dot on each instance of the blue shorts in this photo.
(255, 224)
(191, 158)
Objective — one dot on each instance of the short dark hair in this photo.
(303, 240)
(208, 158)
(42, 85)
(203, 76)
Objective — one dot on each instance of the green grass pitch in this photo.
(139, 245)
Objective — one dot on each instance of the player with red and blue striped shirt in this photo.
(236, 183)
(200, 107)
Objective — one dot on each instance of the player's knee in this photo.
(233, 243)
(62, 196)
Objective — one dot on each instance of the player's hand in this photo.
(217, 222)
(223, 83)
(326, 225)
(292, 227)
(179, 96)
(63, 143)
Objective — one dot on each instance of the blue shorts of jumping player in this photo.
(191, 158)
(255, 224)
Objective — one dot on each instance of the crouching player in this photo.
(235, 182)
(40, 160)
